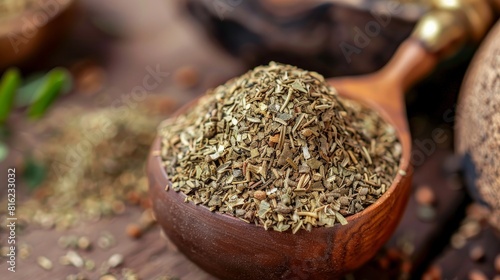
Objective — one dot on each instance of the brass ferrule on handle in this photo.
(496, 4)
(451, 23)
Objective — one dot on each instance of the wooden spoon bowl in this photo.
(231, 249)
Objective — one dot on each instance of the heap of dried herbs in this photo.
(95, 163)
(279, 148)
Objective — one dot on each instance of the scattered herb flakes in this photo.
(44, 263)
(115, 260)
(86, 175)
(279, 148)
(11, 8)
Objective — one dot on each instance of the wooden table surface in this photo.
(158, 34)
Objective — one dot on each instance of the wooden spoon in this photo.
(231, 249)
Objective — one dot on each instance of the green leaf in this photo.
(33, 174)
(4, 151)
(52, 86)
(11, 80)
(4, 132)
(26, 93)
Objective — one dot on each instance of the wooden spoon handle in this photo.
(438, 34)
(411, 62)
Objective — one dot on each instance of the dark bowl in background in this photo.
(34, 32)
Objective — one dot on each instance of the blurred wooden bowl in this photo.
(478, 125)
(27, 35)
